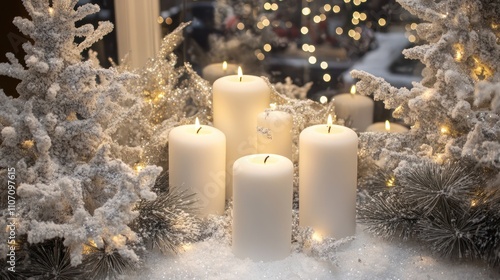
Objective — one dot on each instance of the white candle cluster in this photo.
(250, 146)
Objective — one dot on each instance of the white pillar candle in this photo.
(274, 133)
(214, 71)
(386, 127)
(262, 207)
(328, 179)
(354, 108)
(196, 160)
(237, 100)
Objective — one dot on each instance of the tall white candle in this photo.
(328, 179)
(274, 132)
(354, 108)
(262, 207)
(196, 160)
(386, 127)
(237, 100)
(214, 71)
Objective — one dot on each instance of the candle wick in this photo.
(241, 78)
(329, 128)
(198, 130)
(266, 159)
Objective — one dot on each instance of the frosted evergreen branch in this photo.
(102, 29)
(380, 89)
(26, 26)
(172, 41)
(425, 9)
(13, 71)
(28, 5)
(84, 30)
(83, 11)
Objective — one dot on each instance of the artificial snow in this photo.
(365, 257)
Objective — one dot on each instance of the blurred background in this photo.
(316, 41)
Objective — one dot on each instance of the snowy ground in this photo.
(366, 257)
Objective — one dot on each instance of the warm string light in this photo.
(51, 11)
(323, 99)
(481, 70)
(391, 182)
(28, 144)
(138, 167)
(459, 52)
(444, 130)
(317, 237)
(272, 106)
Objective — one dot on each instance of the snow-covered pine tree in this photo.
(454, 111)
(440, 182)
(70, 182)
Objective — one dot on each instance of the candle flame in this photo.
(329, 121)
(197, 123)
(272, 106)
(240, 73)
(224, 65)
(353, 89)
(387, 125)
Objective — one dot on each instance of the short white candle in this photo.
(237, 100)
(328, 179)
(196, 160)
(355, 108)
(386, 127)
(262, 207)
(214, 71)
(274, 132)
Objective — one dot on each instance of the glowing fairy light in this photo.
(391, 182)
(323, 99)
(459, 52)
(444, 130)
(267, 47)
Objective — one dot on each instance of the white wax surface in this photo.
(214, 71)
(236, 105)
(328, 180)
(380, 127)
(262, 207)
(355, 108)
(278, 139)
(197, 164)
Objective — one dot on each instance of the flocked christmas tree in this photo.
(70, 182)
(440, 182)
